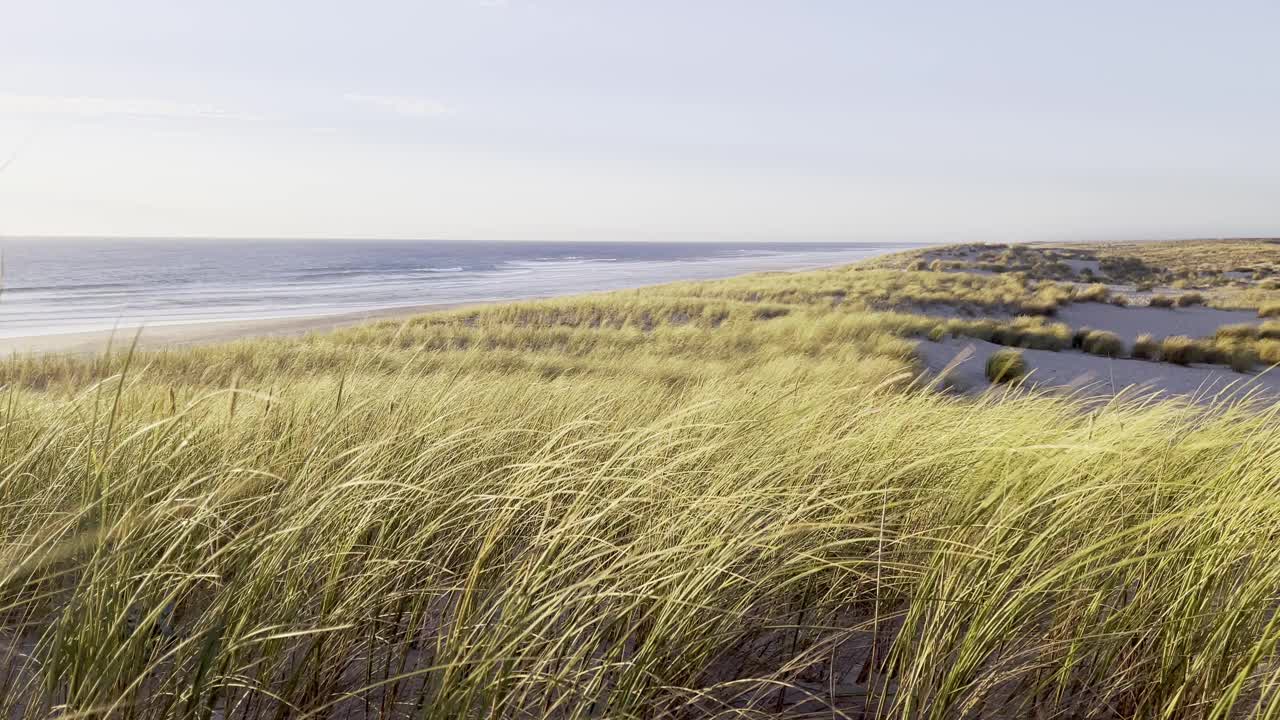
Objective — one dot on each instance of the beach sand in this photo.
(159, 336)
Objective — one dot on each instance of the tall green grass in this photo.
(630, 506)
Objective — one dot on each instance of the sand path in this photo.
(1130, 322)
(1094, 375)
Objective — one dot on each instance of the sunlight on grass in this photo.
(675, 502)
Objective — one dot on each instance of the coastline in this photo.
(335, 280)
(204, 333)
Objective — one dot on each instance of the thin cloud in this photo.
(401, 105)
(87, 106)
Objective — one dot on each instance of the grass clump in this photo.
(1181, 350)
(1145, 347)
(1102, 342)
(1270, 310)
(1237, 331)
(1161, 301)
(1005, 366)
(1096, 292)
(1190, 299)
(1269, 352)
(1241, 359)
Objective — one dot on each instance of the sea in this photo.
(62, 285)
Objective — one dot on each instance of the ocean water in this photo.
(53, 286)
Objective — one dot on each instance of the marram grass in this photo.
(575, 510)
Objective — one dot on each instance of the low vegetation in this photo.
(868, 288)
(1102, 342)
(725, 499)
(1145, 347)
(1200, 260)
(1006, 366)
(1225, 273)
(1096, 292)
(1182, 350)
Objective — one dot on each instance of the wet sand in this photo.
(158, 336)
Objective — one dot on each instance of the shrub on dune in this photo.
(1146, 348)
(1237, 331)
(1046, 308)
(1103, 342)
(1006, 366)
(980, 329)
(1241, 359)
(1007, 335)
(1096, 292)
(1053, 338)
(1269, 352)
(1056, 337)
(1182, 350)
(1216, 353)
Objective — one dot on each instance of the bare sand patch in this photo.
(1094, 375)
(1130, 322)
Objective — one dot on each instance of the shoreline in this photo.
(205, 333)
(652, 271)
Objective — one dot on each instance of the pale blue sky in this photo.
(644, 119)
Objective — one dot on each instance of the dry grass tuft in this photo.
(1005, 366)
(1181, 350)
(1102, 342)
(1145, 347)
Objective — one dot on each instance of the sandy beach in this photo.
(179, 335)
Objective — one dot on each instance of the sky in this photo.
(640, 119)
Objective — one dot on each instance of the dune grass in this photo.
(1103, 342)
(1005, 366)
(676, 502)
(1239, 273)
(1145, 347)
